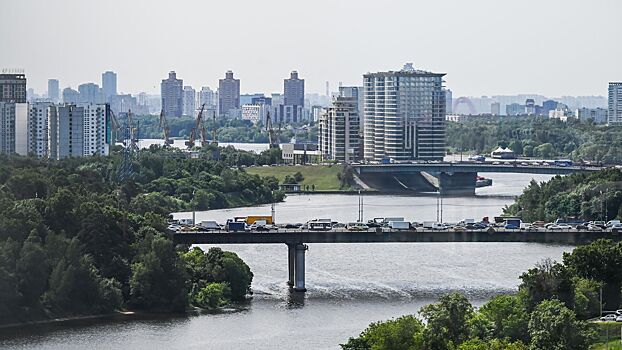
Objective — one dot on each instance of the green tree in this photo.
(599, 261)
(403, 333)
(447, 321)
(158, 276)
(546, 281)
(494, 344)
(508, 316)
(554, 326)
(213, 295)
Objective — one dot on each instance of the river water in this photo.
(349, 285)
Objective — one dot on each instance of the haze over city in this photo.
(552, 48)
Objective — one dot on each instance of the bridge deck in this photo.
(296, 236)
(446, 167)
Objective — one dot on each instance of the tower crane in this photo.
(198, 127)
(274, 143)
(165, 129)
(214, 141)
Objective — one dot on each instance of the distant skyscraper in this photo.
(530, 106)
(90, 93)
(13, 88)
(614, 112)
(228, 94)
(70, 96)
(172, 95)
(548, 105)
(448, 101)
(514, 109)
(208, 97)
(189, 99)
(495, 108)
(53, 90)
(7, 128)
(404, 115)
(294, 90)
(109, 85)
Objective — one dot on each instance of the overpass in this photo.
(296, 239)
(448, 177)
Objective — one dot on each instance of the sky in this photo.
(486, 47)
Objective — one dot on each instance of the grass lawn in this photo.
(323, 177)
(613, 345)
(614, 336)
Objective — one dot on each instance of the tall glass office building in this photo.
(404, 115)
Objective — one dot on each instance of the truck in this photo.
(399, 225)
(252, 218)
(188, 222)
(209, 225)
(428, 225)
(388, 220)
(235, 226)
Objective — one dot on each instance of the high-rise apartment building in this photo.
(189, 100)
(404, 115)
(66, 136)
(96, 136)
(38, 128)
(338, 131)
(7, 127)
(70, 96)
(13, 88)
(495, 108)
(109, 85)
(228, 94)
(90, 93)
(294, 90)
(208, 98)
(53, 90)
(530, 106)
(171, 91)
(614, 110)
(293, 98)
(355, 92)
(598, 115)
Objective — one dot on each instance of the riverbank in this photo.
(315, 177)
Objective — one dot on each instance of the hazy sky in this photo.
(551, 47)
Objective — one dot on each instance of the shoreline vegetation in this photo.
(550, 311)
(76, 240)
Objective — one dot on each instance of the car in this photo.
(356, 226)
(511, 227)
(339, 225)
(594, 228)
(616, 227)
(609, 318)
(619, 318)
(496, 163)
(619, 312)
(174, 227)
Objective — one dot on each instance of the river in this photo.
(349, 285)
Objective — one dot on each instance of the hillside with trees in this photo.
(595, 196)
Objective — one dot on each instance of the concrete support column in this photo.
(291, 263)
(299, 283)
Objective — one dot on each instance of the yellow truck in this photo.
(252, 218)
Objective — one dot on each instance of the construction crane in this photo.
(115, 127)
(165, 129)
(214, 141)
(198, 127)
(274, 143)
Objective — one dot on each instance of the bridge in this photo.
(448, 177)
(296, 240)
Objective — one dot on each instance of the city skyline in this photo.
(509, 49)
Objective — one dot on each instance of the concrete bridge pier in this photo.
(299, 281)
(291, 263)
(458, 183)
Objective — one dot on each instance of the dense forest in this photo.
(595, 196)
(228, 130)
(75, 240)
(538, 137)
(548, 312)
